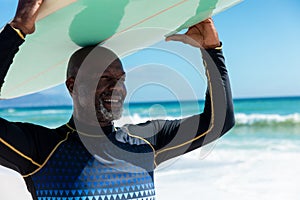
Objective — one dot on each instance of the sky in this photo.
(260, 43)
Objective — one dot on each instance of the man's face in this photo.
(110, 93)
(108, 90)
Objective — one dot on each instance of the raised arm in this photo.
(181, 136)
(176, 137)
(13, 34)
(18, 146)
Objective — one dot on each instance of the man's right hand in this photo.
(26, 14)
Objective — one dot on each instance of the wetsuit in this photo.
(81, 162)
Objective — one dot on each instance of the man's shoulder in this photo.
(37, 129)
(141, 133)
(124, 134)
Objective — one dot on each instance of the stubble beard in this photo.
(107, 115)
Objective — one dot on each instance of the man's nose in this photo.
(117, 85)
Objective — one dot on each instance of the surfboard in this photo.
(125, 26)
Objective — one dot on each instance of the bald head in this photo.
(94, 56)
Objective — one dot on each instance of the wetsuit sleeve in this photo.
(15, 145)
(176, 137)
(22, 145)
(9, 46)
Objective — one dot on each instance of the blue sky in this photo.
(261, 42)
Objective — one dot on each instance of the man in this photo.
(89, 158)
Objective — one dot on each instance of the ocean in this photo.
(258, 159)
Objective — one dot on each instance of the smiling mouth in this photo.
(110, 108)
(112, 102)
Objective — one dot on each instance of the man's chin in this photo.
(108, 115)
(109, 111)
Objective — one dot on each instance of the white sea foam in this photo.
(54, 111)
(11, 110)
(241, 119)
(252, 119)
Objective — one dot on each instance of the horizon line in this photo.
(150, 102)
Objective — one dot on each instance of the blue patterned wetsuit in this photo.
(77, 164)
(125, 170)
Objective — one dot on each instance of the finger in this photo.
(185, 39)
(176, 37)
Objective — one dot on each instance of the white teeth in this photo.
(111, 100)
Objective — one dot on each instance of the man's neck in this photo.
(91, 121)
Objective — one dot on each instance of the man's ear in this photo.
(70, 84)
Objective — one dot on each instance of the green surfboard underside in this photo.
(128, 24)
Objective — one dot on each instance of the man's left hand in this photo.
(202, 35)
